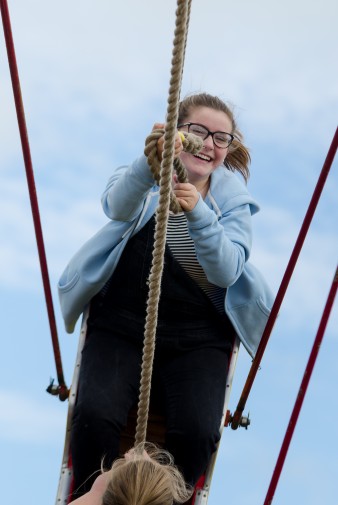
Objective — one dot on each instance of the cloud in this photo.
(275, 239)
(65, 227)
(93, 82)
(275, 66)
(24, 419)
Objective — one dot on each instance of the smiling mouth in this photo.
(203, 157)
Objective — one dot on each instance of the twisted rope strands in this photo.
(162, 215)
(191, 144)
(185, 37)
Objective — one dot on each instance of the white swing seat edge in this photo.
(66, 474)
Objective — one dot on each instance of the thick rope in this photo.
(162, 215)
(191, 144)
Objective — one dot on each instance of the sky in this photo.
(94, 79)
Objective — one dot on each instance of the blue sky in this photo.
(94, 80)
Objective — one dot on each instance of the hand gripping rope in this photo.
(163, 175)
(191, 144)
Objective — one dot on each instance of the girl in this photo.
(209, 293)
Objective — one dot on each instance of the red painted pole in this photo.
(302, 391)
(235, 421)
(62, 390)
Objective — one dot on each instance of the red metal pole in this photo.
(302, 391)
(63, 390)
(235, 420)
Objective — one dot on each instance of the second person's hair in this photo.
(146, 479)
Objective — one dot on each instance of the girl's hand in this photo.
(186, 194)
(178, 148)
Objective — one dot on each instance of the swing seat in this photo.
(155, 431)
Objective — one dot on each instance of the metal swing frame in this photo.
(64, 491)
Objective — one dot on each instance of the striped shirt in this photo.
(183, 249)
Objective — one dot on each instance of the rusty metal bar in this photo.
(302, 391)
(235, 419)
(61, 390)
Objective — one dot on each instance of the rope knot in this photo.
(191, 144)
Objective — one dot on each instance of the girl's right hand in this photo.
(178, 148)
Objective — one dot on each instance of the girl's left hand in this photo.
(186, 194)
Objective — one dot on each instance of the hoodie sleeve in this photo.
(126, 190)
(222, 243)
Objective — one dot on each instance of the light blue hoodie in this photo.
(220, 226)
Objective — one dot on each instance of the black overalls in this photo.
(193, 343)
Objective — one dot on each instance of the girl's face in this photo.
(201, 165)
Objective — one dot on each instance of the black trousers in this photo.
(191, 360)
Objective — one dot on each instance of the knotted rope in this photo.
(191, 144)
(162, 215)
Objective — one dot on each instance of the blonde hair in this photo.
(238, 157)
(145, 478)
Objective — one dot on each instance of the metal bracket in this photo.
(61, 391)
(243, 423)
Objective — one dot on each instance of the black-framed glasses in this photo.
(220, 139)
